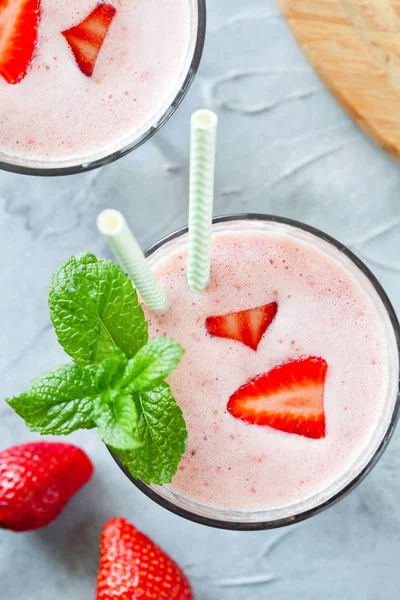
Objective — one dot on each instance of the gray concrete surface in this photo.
(285, 147)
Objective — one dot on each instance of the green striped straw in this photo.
(201, 196)
(112, 224)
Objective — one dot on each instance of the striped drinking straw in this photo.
(112, 224)
(201, 196)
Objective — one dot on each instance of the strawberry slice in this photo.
(86, 39)
(246, 326)
(289, 398)
(19, 21)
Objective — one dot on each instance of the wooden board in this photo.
(354, 45)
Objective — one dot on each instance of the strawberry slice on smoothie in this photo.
(246, 326)
(19, 21)
(289, 397)
(86, 39)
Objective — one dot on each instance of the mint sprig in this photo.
(116, 382)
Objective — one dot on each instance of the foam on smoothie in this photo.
(322, 311)
(58, 113)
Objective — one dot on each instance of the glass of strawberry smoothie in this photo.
(289, 384)
(82, 83)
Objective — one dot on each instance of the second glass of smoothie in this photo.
(331, 312)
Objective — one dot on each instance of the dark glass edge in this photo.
(283, 522)
(101, 162)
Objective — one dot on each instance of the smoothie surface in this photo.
(323, 311)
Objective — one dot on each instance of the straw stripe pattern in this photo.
(202, 168)
(144, 280)
(112, 224)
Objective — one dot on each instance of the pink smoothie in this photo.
(57, 113)
(326, 308)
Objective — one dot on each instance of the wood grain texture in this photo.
(354, 45)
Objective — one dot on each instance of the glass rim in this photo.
(356, 480)
(89, 165)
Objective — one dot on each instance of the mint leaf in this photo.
(151, 365)
(116, 419)
(58, 402)
(162, 431)
(94, 307)
(111, 370)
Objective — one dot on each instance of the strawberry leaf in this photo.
(59, 401)
(94, 308)
(162, 432)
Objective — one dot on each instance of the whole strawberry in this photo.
(36, 482)
(133, 567)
